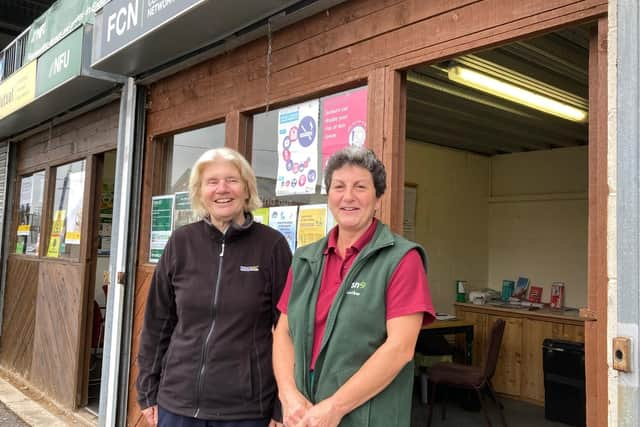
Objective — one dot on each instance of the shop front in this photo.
(59, 122)
(288, 100)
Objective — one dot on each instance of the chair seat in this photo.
(456, 374)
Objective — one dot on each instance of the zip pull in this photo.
(222, 250)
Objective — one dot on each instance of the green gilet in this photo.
(356, 327)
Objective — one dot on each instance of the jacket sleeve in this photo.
(281, 262)
(159, 320)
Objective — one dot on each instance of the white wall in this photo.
(452, 215)
(538, 216)
(485, 219)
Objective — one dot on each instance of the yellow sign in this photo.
(18, 90)
(72, 237)
(54, 247)
(312, 223)
(56, 230)
(23, 229)
(58, 222)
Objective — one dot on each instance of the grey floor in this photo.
(9, 419)
(517, 414)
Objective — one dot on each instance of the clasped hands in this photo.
(299, 412)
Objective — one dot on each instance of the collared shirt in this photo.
(407, 293)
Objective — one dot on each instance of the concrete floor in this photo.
(517, 414)
(9, 419)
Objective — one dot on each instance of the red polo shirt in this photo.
(407, 293)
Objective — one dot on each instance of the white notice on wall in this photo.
(298, 149)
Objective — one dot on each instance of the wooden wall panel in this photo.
(93, 132)
(143, 281)
(404, 34)
(58, 330)
(16, 342)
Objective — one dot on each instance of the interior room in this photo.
(496, 187)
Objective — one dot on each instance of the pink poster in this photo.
(344, 121)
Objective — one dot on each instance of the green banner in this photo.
(60, 63)
(57, 22)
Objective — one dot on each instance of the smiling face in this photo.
(352, 198)
(224, 193)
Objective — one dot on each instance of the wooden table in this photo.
(446, 327)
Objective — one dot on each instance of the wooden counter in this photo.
(519, 373)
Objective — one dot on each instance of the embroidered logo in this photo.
(356, 287)
(249, 268)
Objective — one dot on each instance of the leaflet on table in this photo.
(297, 149)
(283, 219)
(312, 223)
(74, 208)
(344, 123)
(161, 224)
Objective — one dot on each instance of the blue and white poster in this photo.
(285, 220)
(298, 149)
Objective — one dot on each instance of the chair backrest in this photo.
(493, 348)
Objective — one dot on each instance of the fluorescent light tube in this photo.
(515, 93)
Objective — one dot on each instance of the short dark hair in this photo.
(358, 156)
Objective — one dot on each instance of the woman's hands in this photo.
(294, 408)
(324, 414)
(151, 415)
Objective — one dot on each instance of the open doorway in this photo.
(99, 279)
(497, 190)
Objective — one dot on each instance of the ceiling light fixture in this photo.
(499, 88)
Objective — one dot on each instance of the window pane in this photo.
(64, 241)
(30, 213)
(290, 148)
(183, 151)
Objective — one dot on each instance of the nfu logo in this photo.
(356, 287)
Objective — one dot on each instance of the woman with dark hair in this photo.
(352, 309)
(205, 348)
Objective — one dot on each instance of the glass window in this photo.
(66, 226)
(170, 206)
(30, 213)
(184, 149)
(290, 148)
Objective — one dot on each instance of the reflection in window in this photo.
(30, 213)
(183, 151)
(64, 241)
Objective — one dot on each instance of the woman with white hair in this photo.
(205, 348)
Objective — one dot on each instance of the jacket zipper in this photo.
(205, 346)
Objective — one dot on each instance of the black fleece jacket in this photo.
(205, 347)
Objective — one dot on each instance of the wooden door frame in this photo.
(386, 123)
(596, 366)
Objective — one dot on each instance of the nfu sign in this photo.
(123, 21)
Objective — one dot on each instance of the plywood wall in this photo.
(485, 219)
(451, 216)
(538, 220)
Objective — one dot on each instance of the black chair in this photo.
(470, 377)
